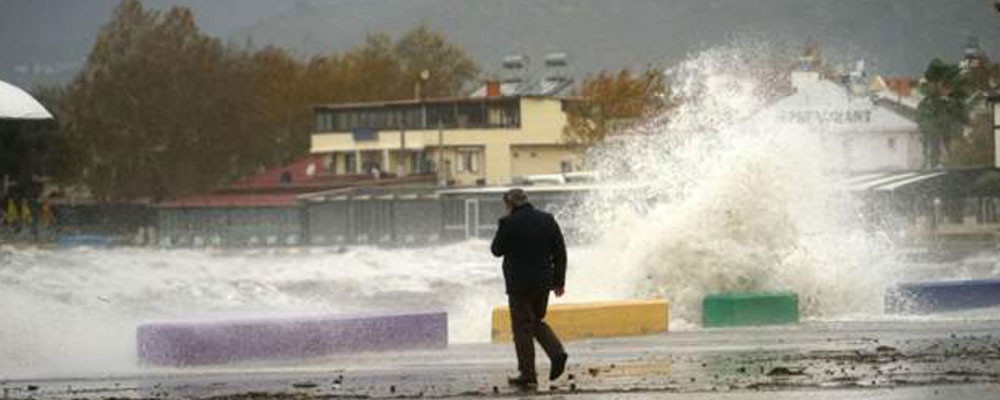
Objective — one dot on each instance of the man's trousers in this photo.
(527, 312)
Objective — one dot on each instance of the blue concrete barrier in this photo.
(85, 240)
(218, 342)
(929, 297)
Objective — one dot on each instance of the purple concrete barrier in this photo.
(216, 342)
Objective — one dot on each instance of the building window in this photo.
(566, 166)
(371, 162)
(413, 117)
(468, 161)
(324, 121)
(891, 142)
(472, 115)
(505, 114)
(339, 121)
(350, 163)
(330, 163)
(443, 115)
(420, 163)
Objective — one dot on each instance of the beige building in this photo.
(481, 140)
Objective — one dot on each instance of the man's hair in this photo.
(515, 197)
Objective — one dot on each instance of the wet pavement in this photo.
(824, 360)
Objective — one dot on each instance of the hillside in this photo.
(47, 40)
(895, 37)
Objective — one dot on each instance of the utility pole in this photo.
(442, 178)
(423, 76)
(401, 167)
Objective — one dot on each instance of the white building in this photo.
(866, 136)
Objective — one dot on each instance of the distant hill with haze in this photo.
(47, 40)
(894, 37)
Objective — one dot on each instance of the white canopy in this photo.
(888, 181)
(18, 104)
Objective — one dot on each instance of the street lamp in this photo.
(423, 76)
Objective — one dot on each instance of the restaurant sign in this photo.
(825, 117)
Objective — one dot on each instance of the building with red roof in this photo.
(281, 186)
(263, 209)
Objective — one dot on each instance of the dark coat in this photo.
(533, 250)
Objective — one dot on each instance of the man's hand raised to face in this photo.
(559, 291)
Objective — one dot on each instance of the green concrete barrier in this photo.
(751, 308)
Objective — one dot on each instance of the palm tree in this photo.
(943, 112)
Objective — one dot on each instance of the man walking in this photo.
(534, 262)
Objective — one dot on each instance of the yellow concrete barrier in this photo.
(591, 320)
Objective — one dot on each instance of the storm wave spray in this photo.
(710, 199)
(74, 312)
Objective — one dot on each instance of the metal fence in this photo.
(392, 220)
(387, 220)
(230, 226)
(475, 215)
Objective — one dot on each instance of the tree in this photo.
(281, 103)
(449, 68)
(381, 69)
(161, 110)
(975, 148)
(607, 103)
(942, 113)
(372, 72)
(144, 111)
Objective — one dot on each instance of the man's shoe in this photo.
(558, 366)
(523, 381)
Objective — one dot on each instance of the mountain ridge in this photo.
(893, 37)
